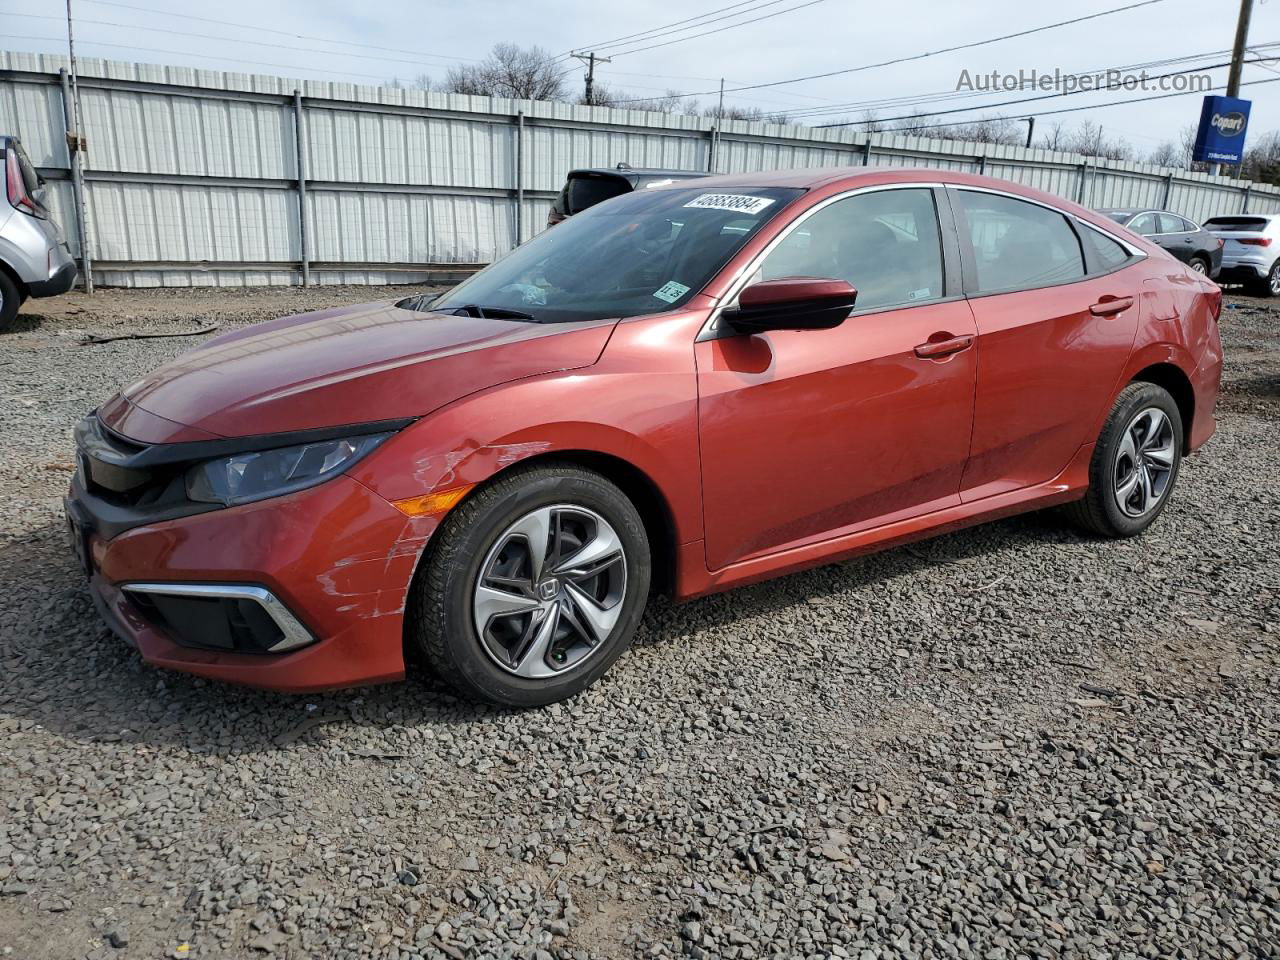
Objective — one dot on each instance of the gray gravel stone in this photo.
(885, 758)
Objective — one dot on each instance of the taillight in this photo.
(1221, 242)
(1255, 241)
(19, 199)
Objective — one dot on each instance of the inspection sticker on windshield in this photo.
(671, 291)
(737, 202)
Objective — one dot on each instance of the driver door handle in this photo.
(936, 349)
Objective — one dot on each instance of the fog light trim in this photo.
(294, 633)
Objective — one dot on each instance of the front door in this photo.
(807, 435)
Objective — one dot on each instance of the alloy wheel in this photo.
(1199, 267)
(1273, 280)
(1144, 463)
(550, 591)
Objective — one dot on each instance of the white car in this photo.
(34, 258)
(1250, 251)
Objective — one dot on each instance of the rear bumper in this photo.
(62, 280)
(338, 557)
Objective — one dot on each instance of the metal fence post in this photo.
(1084, 169)
(714, 141)
(519, 177)
(1247, 187)
(300, 145)
(982, 164)
(1168, 191)
(77, 183)
(866, 150)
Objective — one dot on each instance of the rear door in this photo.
(1175, 237)
(1057, 313)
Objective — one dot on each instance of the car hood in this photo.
(346, 365)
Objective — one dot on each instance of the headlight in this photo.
(269, 473)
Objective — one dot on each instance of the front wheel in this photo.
(533, 586)
(1135, 464)
(10, 300)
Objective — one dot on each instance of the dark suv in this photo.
(585, 188)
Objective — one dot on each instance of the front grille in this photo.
(105, 466)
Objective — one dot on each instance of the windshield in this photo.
(644, 252)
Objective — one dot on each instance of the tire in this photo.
(1268, 286)
(10, 299)
(1200, 265)
(503, 660)
(1135, 425)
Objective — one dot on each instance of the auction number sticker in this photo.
(737, 202)
(671, 291)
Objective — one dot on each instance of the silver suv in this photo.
(1250, 251)
(35, 260)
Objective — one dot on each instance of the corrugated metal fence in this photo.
(192, 177)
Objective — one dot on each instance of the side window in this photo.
(1106, 252)
(1171, 224)
(1145, 225)
(1017, 244)
(1188, 226)
(886, 244)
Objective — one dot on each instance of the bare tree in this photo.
(1055, 136)
(1166, 155)
(522, 73)
(1262, 160)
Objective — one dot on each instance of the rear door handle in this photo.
(1109, 306)
(935, 349)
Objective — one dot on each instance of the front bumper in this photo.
(337, 556)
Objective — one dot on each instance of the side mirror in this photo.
(791, 303)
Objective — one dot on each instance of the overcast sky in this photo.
(823, 36)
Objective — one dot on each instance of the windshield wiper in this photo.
(488, 313)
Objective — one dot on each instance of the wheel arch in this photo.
(1171, 377)
(639, 487)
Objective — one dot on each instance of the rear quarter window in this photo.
(585, 192)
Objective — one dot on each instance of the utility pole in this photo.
(1237, 58)
(720, 108)
(1238, 51)
(590, 59)
(75, 150)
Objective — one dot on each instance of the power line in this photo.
(1044, 96)
(256, 43)
(645, 34)
(1092, 106)
(915, 99)
(202, 56)
(261, 29)
(932, 53)
(730, 26)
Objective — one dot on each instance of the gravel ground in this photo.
(1011, 741)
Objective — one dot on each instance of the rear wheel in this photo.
(1199, 265)
(1269, 286)
(10, 300)
(1135, 464)
(533, 587)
